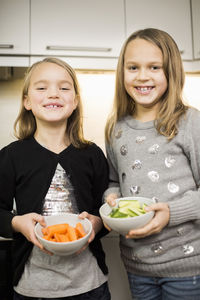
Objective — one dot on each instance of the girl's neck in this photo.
(143, 114)
(56, 140)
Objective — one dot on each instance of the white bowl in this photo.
(124, 225)
(68, 248)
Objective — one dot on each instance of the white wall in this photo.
(9, 106)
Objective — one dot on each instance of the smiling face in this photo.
(51, 94)
(144, 77)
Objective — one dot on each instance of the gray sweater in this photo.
(144, 163)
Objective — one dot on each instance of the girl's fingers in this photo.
(111, 199)
(83, 215)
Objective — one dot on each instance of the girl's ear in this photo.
(76, 100)
(27, 103)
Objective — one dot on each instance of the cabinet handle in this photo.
(71, 48)
(182, 52)
(6, 46)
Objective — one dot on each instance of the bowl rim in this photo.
(64, 243)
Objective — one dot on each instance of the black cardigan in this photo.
(26, 171)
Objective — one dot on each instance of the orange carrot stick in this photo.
(57, 228)
(64, 238)
(44, 230)
(72, 233)
(80, 230)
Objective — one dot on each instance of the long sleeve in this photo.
(100, 180)
(187, 208)
(114, 184)
(7, 190)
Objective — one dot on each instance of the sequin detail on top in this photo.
(123, 150)
(180, 231)
(188, 249)
(172, 187)
(155, 199)
(135, 190)
(154, 176)
(169, 161)
(154, 149)
(140, 139)
(137, 164)
(118, 134)
(60, 196)
(157, 248)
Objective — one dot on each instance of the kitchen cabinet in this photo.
(14, 27)
(172, 16)
(89, 28)
(196, 27)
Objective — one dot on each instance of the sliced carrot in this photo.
(80, 230)
(64, 238)
(58, 228)
(63, 232)
(72, 233)
(57, 237)
(44, 230)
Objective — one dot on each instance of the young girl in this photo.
(154, 151)
(52, 169)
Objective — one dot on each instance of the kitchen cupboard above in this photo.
(89, 34)
(77, 28)
(14, 27)
(14, 32)
(172, 16)
(196, 27)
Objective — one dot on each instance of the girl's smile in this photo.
(144, 90)
(53, 106)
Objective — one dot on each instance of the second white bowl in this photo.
(124, 225)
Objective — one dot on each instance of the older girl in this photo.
(154, 151)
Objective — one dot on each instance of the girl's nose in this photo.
(143, 74)
(53, 92)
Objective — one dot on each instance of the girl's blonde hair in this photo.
(25, 124)
(171, 104)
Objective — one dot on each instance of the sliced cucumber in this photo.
(128, 208)
(116, 213)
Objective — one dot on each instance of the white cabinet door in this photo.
(77, 28)
(196, 27)
(14, 26)
(172, 16)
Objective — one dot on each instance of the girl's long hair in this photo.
(171, 103)
(25, 124)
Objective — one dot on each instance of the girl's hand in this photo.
(110, 199)
(159, 221)
(25, 224)
(96, 227)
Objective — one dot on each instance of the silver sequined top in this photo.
(60, 197)
(144, 163)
